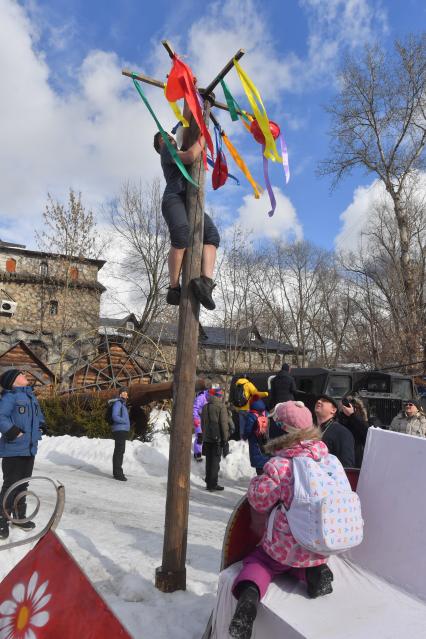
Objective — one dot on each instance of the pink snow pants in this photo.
(261, 569)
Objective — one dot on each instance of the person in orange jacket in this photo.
(251, 393)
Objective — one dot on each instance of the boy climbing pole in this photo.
(174, 212)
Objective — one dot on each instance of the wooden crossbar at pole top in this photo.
(204, 92)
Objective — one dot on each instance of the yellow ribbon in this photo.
(240, 162)
(178, 113)
(260, 114)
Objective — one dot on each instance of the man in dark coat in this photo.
(338, 439)
(283, 387)
(214, 424)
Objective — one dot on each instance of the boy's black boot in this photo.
(202, 287)
(318, 579)
(173, 295)
(242, 622)
(21, 514)
(4, 528)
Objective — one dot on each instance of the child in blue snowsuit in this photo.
(257, 457)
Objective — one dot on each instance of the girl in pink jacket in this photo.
(278, 551)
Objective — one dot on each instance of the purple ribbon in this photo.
(268, 184)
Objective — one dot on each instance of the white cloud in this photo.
(227, 27)
(92, 138)
(335, 26)
(365, 202)
(253, 217)
(356, 216)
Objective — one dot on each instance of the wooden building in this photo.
(22, 357)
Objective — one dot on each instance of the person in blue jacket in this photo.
(120, 432)
(21, 426)
(257, 457)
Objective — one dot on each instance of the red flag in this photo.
(180, 84)
(47, 596)
(220, 171)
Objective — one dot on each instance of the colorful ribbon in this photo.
(164, 135)
(234, 108)
(286, 165)
(178, 113)
(259, 112)
(240, 162)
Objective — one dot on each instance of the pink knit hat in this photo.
(293, 414)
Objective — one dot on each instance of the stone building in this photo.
(46, 299)
(221, 352)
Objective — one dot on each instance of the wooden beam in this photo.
(157, 83)
(230, 65)
(168, 47)
(207, 91)
(143, 78)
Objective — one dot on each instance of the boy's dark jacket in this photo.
(214, 422)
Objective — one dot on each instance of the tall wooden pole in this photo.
(171, 575)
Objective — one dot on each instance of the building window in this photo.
(73, 273)
(53, 307)
(11, 265)
(44, 269)
(130, 326)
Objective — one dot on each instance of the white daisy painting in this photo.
(24, 613)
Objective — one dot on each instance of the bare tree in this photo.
(379, 124)
(236, 310)
(143, 244)
(288, 284)
(377, 271)
(69, 231)
(330, 322)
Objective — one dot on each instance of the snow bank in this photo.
(115, 529)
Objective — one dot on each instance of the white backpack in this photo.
(325, 514)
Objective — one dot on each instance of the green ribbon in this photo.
(164, 135)
(233, 105)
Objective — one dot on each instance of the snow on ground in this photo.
(115, 529)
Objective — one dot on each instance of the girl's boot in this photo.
(242, 622)
(318, 580)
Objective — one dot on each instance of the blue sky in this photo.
(70, 119)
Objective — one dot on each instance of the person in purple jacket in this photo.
(200, 401)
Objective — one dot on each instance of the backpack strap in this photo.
(271, 518)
